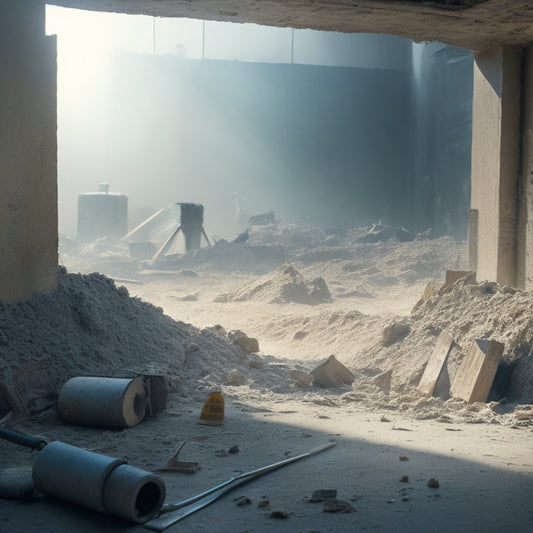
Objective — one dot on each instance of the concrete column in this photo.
(525, 218)
(496, 161)
(28, 152)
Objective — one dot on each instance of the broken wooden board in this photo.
(475, 375)
(435, 363)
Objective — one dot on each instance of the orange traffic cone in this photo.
(213, 410)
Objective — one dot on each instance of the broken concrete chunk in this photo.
(248, 344)
(524, 412)
(332, 373)
(263, 503)
(338, 506)
(383, 380)
(242, 500)
(304, 379)
(236, 379)
(432, 289)
(394, 332)
(323, 495)
(475, 375)
(218, 330)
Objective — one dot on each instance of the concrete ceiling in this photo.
(472, 24)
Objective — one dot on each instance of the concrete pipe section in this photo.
(98, 482)
(108, 402)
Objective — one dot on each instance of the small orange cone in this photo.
(213, 410)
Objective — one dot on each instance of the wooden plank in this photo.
(475, 375)
(435, 363)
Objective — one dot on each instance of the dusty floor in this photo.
(482, 455)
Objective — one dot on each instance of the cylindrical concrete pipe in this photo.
(99, 401)
(98, 482)
(133, 494)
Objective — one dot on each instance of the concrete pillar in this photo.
(28, 152)
(496, 161)
(525, 218)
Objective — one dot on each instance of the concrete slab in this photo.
(435, 364)
(474, 378)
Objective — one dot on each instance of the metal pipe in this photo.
(24, 440)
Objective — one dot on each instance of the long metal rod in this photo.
(29, 441)
(175, 512)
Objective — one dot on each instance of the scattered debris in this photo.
(338, 506)
(404, 479)
(184, 467)
(262, 219)
(213, 410)
(454, 275)
(279, 514)
(248, 344)
(263, 503)
(394, 332)
(432, 289)
(332, 373)
(234, 449)
(404, 458)
(177, 511)
(383, 381)
(524, 412)
(433, 483)
(321, 495)
(303, 379)
(242, 500)
(221, 453)
(381, 232)
(236, 378)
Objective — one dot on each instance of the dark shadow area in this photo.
(471, 497)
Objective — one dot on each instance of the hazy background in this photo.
(324, 128)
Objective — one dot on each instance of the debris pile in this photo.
(89, 327)
(283, 285)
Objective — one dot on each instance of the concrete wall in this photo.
(327, 145)
(28, 147)
(495, 161)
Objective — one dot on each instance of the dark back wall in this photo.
(325, 145)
